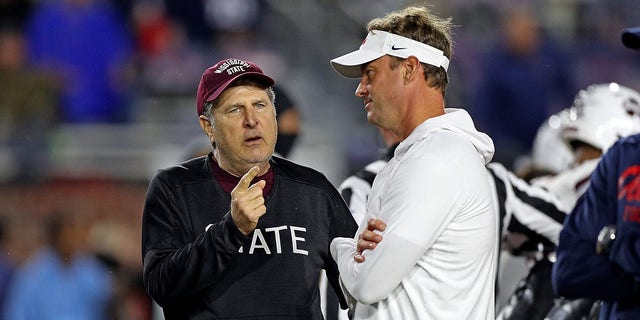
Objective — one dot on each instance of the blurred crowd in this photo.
(97, 63)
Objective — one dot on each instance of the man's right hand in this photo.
(369, 239)
(247, 202)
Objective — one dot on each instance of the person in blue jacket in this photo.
(598, 253)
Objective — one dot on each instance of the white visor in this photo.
(377, 44)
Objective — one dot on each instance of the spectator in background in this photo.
(289, 123)
(525, 80)
(191, 14)
(240, 32)
(20, 237)
(238, 16)
(169, 62)
(116, 244)
(7, 265)
(28, 109)
(63, 280)
(206, 20)
(86, 44)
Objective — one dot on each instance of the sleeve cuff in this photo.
(234, 239)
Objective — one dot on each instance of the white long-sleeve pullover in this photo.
(438, 256)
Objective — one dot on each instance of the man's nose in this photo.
(250, 118)
(361, 90)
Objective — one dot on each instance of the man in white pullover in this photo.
(437, 257)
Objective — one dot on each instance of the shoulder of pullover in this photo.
(454, 120)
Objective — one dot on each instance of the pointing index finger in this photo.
(245, 181)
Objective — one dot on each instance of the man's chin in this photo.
(371, 119)
(258, 157)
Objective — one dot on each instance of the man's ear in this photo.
(206, 126)
(411, 67)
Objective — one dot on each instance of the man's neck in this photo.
(239, 169)
(419, 103)
(228, 181)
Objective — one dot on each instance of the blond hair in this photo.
(418, 23)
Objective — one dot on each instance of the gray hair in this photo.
(210, 105)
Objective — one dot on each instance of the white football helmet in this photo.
(601, 114)
(549, 152)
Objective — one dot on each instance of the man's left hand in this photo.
(369, 239)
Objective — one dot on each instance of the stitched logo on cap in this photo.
(233, 66)
(393, 47)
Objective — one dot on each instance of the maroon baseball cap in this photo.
(220, 75)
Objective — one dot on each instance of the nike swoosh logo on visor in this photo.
(393, 47)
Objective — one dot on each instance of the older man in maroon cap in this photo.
(240, 233)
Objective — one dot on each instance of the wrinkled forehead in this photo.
(244, 94)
